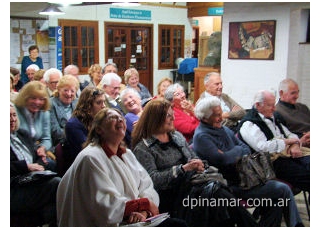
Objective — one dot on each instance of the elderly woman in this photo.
(168, 159)
(132, 102)
(185, 121)
(17, 84)
(38, 76)
(63, 103)
(32, 58)
(217, 144)
(90, 102)
(33, 106)
(95, 75)
(37, 199)
(162, 86)
(112, 185)
(131, 78)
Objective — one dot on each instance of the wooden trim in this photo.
(198, 10)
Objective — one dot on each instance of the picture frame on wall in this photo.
(252, 40)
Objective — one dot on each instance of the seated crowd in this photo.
(122, 156)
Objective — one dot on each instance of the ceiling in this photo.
(31, 9)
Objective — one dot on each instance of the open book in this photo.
(150, 222)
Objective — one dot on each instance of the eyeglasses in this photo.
(114, 88)
(112, 118)
(54, 82)
(178, 93)
(170, 115)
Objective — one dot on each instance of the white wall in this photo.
(243, 78)
(159, 15)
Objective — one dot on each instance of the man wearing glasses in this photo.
(51, 78)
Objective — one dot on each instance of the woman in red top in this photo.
(184, 119)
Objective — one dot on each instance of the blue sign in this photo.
(55, 46)
(214, 11)
(130, 14)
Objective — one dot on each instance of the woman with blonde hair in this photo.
(162, 86)
(33, 106)
(34, 201)
(95, 73)
(38, 76)
(63, 103)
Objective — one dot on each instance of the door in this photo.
(130, 46)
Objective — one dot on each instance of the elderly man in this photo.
(295, 115)
(232, 111)
(74, 70)
(263, 133)
(110, 67)
(110, 83)
(31, 71)
(51, 78)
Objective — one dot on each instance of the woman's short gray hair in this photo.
(204, 106)
(129, 90)
(168, 95)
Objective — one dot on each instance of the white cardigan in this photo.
(95, 189)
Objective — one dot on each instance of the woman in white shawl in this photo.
(106, 185)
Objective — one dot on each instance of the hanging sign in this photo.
(215, 11)
(126, 14)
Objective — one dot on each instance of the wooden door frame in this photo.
(134, 25)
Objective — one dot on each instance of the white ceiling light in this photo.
(126, 4)
(67, 3)
(51, 10)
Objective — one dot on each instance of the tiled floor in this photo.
(302, 209)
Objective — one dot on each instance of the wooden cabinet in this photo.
(199, 74)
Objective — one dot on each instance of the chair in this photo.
(60, 160)
(295, 192)
(307, 202)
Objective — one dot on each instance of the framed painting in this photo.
(252, 40)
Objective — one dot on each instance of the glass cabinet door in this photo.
(117, 47)
(71, 51)
(165, 46)
(130, 46)
(171, 43)
(139, 49)
(177, 41)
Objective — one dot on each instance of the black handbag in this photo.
(209, 174)
(34, 177)
(255, 169)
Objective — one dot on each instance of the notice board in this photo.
(26, 32)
